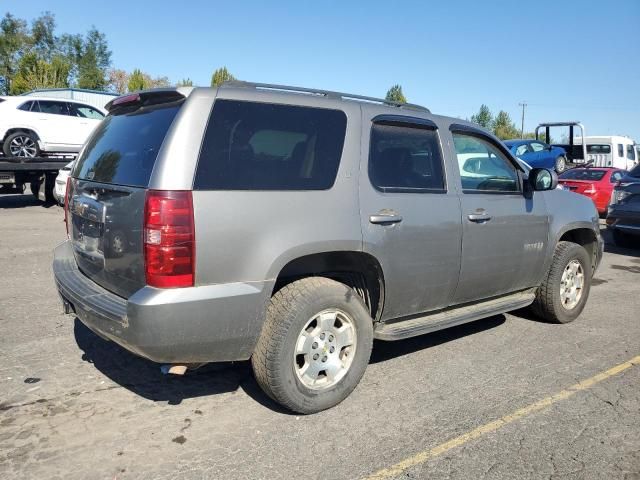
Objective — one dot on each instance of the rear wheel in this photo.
(315, 345)
(564, 292)
(561, 164)
(21, 144)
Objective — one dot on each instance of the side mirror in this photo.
(541, 179)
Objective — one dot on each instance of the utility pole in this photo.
(523, 105)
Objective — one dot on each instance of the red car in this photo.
(594, 182)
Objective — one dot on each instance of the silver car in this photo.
(292, 227)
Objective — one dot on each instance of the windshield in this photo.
(583, 174)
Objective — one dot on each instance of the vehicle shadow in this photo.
(143, 377)
(22, 201)
(611, 247)
(383, 351)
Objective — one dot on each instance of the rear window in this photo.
(598, 148)
(124, 147)
(635, 171)
(262, 146)
(583, 174)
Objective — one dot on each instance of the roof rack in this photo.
(324, 93)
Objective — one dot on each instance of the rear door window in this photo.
(405, 159)
(123, 148)
(263, 146)
(53, 108)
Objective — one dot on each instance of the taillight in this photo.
(66, 205)
(590, 190)
(169, 239)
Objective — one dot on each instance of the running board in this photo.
(451, 317)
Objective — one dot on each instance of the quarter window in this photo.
(483, 167)
(26, 107)
(262, 146)
(405, 158)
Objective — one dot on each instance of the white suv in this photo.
(31, 126)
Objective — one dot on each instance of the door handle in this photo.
(479, 217)
(384, 218)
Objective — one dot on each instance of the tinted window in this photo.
(598, 148)
(483, 166)
(26, 106)
(262, 146)
(124, 147)
(405, 158)
(631, 152)
(54, 108)
(84, 111)
(635, 171)
(620, 150)
(583, 174)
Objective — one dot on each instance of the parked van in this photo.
(612, 151)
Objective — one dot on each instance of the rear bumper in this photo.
(187, 325)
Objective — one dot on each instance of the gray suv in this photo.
(293, 226)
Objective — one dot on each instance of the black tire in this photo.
(274, 362)
(561, 164)
(548, 305)
(33, 147)
(623, 240)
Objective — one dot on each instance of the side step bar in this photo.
(451, 317)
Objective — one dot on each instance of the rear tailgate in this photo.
(108, 188)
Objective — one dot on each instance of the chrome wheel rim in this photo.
(23, 146)
(325, 349)
(571, 284)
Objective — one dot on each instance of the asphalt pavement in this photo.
(445, 405)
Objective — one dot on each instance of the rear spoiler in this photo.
(145, 98)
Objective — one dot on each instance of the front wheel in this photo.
(315, 345)
(564, 292)
(561, 164)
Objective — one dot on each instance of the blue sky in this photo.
(569, 59)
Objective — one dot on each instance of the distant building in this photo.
(90, 97)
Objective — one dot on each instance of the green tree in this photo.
(503, 126)
(13, 43)
(394, 94)
(484, 117)
(185, 82)
(136, 81)
(220, 76)
(34, 73)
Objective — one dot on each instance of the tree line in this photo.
(33, 56)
